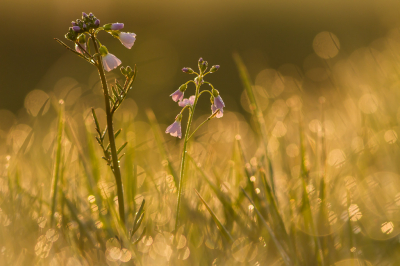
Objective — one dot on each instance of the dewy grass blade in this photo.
(56, 171)
(256, 111)
(220, 226)
(160, 144)
(278, 245)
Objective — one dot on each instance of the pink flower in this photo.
(177, 95)
(78, 49)
(127, 39)
(175, 129)
(110, 62)
(218, 105)
(185, 102)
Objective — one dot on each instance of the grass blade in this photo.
(56, 172)
(220, 226)
(278, 245)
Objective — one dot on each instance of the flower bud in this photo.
(187, 70)
(200, 62)
(82, 38)
(183, 87)
(71, 35)
(214, 69)
(74, 23)
(215, 92)
(76, 28)
(178, 117)
(103, 50)
(91, 15)
(203, 66)
(84, 15)
(117, 26)
(97, 23)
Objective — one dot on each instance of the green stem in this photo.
(208, 119)
(114, 155)
(187, 136)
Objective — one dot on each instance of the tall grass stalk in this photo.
(184, 151)
(57, 163)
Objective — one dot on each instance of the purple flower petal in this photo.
(214, 109)
(110, 62)
(78, 49)
(177, 95)
(175, 129)
(218, 102)
(185, 102)
(127, 39)
(76, 28)
(117, 26)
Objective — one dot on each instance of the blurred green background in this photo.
(174, 34)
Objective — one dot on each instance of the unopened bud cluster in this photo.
(202, 65)
(79, 26)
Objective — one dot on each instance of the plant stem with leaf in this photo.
(114, 154)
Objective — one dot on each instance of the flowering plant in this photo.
(83, 34)
(217, 109)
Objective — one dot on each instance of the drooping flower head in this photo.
(178, 94)
(217, 104)
(110, 61)
(127, 39)
(175, 128)
(185, 102)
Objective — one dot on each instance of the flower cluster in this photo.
(89, 26)
(86, 24)
(217, 104)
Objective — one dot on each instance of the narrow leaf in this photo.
(220, 226)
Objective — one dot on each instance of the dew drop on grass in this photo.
(292, 150)
(279, 129)
(126, 255)
(354, 212)
(390, 136)
(368, 103)
(52, 235)
(113, 242)
(115, 253)
(42, 222)
(336, 158)
(242, 250)
(91, 198)
(326, 45)
(315, 125)
(387, 227)
(34, 102)
(184, 253)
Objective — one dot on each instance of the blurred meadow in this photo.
(302, 169)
